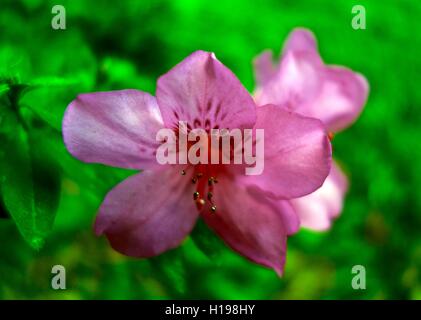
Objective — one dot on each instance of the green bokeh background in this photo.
(128, 44)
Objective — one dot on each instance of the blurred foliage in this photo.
(128, 45)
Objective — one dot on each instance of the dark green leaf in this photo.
(15, 66)
(4, 87)
(3, 212)
(30, 182)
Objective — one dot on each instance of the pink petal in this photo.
(116, 128)
(297, 81)
(148, 213)
(343, 93)
(304, 84)
(297, 153)
(251, 224)
(318, 209)
(341, 98)
(300, 39)
(203, 92)
(264, 67)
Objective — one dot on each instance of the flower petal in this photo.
(317, 210)
(341, 98)
(300, 39)
(297, 81)
(203, 92)
(148, 213)
(251, 224)
(297, 77)
(116, 128)
(297, 153)
(304, 84)
(264, 68)
(343, 93)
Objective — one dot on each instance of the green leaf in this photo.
(206, 240)
(30, 181)
(50, 100)
(171, 267)
(14, 63)
(4, 88)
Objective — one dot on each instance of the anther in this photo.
(210, 195)
(201, 202)
(194, 180)
(199, 175)
(183, 172)
(213, 209)
(211, 180)
(196, 195)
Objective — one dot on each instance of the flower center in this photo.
(205, 175)
(205, 180)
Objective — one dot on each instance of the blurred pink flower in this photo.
(302, 83)
(153, 211)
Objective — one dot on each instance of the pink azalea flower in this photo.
(302, 83)
(153, 211)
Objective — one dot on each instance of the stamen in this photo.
(210, 195)
(213, 209)
(196, 195)
(184, 171)
(194, 180)
(201, 202)
(199, 175)
(211, 180)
